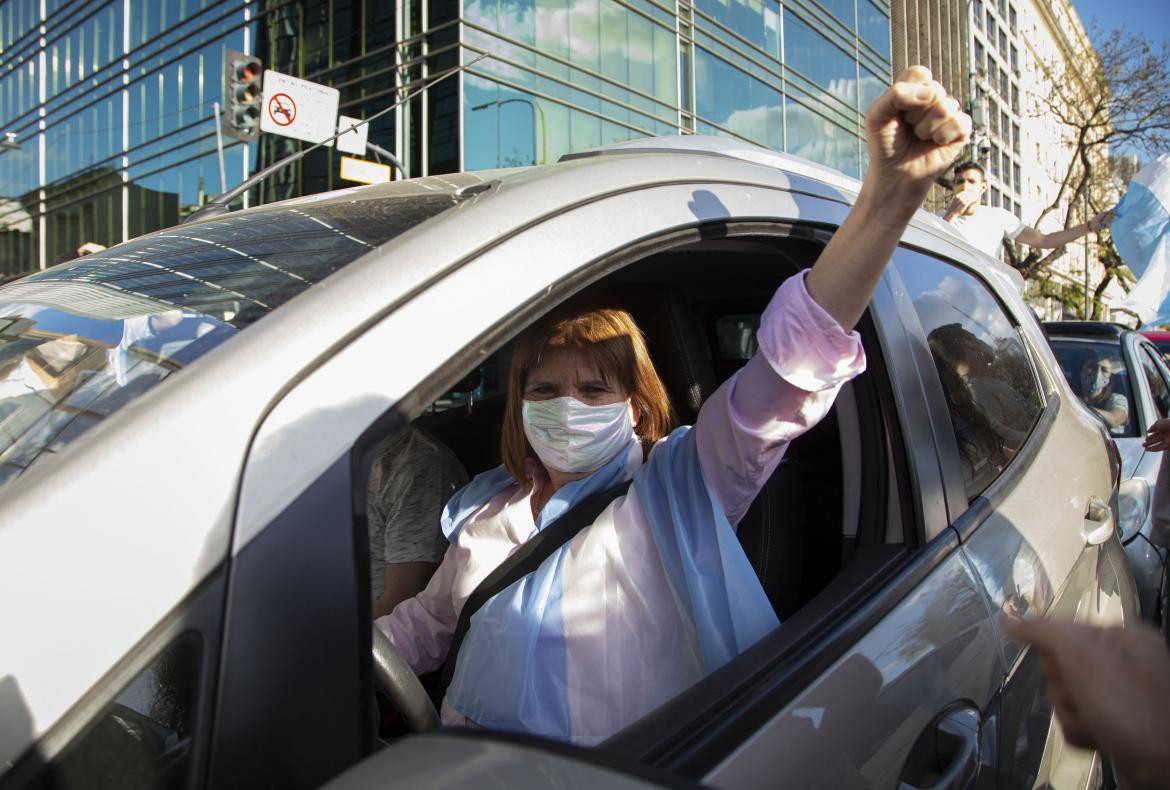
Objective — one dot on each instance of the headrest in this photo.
(676, 342)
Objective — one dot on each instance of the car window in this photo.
(1096, 373)
(81, 340)
(142, 739)
(987, 377)
(1158, 390)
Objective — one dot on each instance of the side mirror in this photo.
(1133, 499)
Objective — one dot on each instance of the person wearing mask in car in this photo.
(657, 592)
(412, 476)
(1096, 390)
(986, 226)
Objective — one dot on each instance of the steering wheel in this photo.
(397, 681)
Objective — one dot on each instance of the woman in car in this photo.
(657, 592)
(1096, 390)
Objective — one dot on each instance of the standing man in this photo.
(985, 226)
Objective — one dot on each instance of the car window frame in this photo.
(796, 210)
(1138, 350)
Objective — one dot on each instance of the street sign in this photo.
(364, 172)
(352, 142)
(297, 108)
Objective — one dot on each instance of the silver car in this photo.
(1139, 376)
(188, 421)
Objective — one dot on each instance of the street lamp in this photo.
(536, 109)
(9, 142)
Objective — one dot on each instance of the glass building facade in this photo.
(111, 101)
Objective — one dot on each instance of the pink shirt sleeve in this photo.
(421, 627)
(785, 388)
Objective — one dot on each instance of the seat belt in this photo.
(522, 562)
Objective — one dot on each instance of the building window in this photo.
(993, 120)
(995, 197)
(990, 27)
(1003, 45)
(1002, 6)
(1015, 60)
(1016, 178)
(1012, 18)
(1016, 138)
(1003, 83)
(1007, 166)
(1004, 124)
(979, 54)
(1016, 99)
(978, 15)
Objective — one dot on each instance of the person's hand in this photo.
(1158, 436)
(962, 200)
(1102, 220)
(913, 131)
(1110, 688)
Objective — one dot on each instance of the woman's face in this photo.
(569, 372)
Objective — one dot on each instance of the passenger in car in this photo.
(412, 476)
(657, 592)
(1096, 390)
(990, 396)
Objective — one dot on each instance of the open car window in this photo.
(832, 494)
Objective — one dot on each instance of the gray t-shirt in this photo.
(412, 477)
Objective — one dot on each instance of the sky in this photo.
(1151, 17)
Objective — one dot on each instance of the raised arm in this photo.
(913, 132)
(1049, 241)
(806, 349)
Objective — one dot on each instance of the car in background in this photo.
(1161, 341)
(189, 421)
(1139, 376)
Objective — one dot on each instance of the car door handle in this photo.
(1099, 523)
(946, 754)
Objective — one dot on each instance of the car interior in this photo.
(1072, 355)
(835, 492)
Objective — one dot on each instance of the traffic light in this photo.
(242, 95)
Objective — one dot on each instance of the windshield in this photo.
(1096, 372)
(81, 340)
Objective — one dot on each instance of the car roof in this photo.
(1094, 329)
(200, 430)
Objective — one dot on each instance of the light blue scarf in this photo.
(511, 669)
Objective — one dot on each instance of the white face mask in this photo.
(571, 436)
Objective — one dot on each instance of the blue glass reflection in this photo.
(873, 27)
(756, 21)
(814, 56)
(737, 102)
(814, 137)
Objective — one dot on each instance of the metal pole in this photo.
(219, 147)
(378, 150)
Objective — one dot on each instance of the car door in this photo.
(1031, 503)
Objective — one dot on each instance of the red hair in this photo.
(614, 344)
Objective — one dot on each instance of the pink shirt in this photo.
(642, 657)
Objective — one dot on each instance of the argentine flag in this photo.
(1141, 235)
